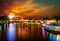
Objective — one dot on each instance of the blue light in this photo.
(58, 37)
(52, 37)
(11, 32)
(53, 26)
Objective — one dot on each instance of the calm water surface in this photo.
(25, 32)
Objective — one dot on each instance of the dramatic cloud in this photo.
(26, 8)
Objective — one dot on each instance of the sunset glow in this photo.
(28, 9)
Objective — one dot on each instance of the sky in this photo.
(30, 8)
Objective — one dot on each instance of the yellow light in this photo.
(11, 15)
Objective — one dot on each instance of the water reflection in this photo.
(21, 31)
(0, 27)
(58, 37)
(11, 32)
(44, 35)
(5, 26)
(54, 37)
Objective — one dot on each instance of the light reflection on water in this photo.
(54, 37)
(0, 27)
(11, 32)
(34, 31)
(43, 32)
(58, 37)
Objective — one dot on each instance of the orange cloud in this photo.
(27, 9)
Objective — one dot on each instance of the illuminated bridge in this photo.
(20, 23)
(23, 21)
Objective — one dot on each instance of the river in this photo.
(25, 32)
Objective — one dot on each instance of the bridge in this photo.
(22, 21)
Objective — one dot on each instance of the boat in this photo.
(52, 27)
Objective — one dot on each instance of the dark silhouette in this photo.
(3, 18)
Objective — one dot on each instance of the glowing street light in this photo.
(11, 15)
